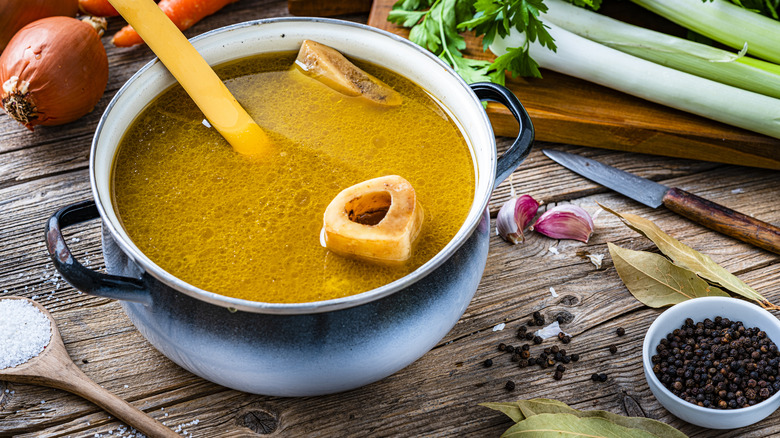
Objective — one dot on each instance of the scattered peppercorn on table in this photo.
(537, 282)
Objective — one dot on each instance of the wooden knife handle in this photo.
(724, 220)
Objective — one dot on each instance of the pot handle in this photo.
(512, 157)
(83, 279)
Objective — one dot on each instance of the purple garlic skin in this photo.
(514, 216)
(566, 221)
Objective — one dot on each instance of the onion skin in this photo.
(15, 14)
(53, 71)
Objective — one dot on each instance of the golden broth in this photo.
(250, 228)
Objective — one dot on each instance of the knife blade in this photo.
(702, 211)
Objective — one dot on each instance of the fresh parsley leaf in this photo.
(592, 4)
(405, 18)
(517, 60)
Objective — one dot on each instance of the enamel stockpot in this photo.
(308, 348)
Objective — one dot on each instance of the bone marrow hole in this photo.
(369, 209)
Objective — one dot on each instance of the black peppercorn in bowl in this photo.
(713, 362)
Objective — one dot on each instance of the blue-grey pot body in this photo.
(302, 348)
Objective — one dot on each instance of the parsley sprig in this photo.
(435, 25)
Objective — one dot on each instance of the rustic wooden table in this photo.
(439, 394)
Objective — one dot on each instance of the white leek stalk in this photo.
(688, 56)
(724, 22)
(594, 62)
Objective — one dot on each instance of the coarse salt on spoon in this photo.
(54, 368)
(195, 75)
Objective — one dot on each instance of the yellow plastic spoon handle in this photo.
(195, 75)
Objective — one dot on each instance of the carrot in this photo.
(183, 13)
(97, 8)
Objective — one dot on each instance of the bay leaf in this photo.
(657, 282)
(568, 425)
(523, 409)
(684, 256)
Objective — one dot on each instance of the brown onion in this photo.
(54, 71)
(15, 14)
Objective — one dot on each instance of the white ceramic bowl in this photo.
(699, 309)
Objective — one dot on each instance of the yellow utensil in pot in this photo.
(195, 75)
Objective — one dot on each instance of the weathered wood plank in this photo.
(436, 396)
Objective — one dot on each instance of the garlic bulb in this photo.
(565, 222)
(514, 216)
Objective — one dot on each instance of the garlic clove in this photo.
(514, 216)
(525, 211)
(565, 222)
(506, 227)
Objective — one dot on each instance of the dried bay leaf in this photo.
(657, 282)
(688, 258)
(523, 409)
(568, 425)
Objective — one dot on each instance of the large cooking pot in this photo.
(308, 348)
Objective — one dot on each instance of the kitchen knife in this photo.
(695, 208)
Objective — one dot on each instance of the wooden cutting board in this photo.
(568, 110)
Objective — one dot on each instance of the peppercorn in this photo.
(525, 354)
(613, 349)
(594, 377)
(509, 349)
(538, 318)
(488, 363)
(602, 377)
(620, 331)
(575, 357)
(718, 363)
(510, 385)
(566, 359)
(502, 347)
(561, 335)
(554, 349)
(537, 340)
(560, 368)
(566, 339)
(515, 357)
(522, 363)
(529, 336)
(558, 375)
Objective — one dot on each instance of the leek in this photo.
(688, 56)
(594, 62)
(724, 22)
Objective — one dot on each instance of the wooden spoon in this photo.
(195, 75)
(54, 368)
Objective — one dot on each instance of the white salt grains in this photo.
(24, 332)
